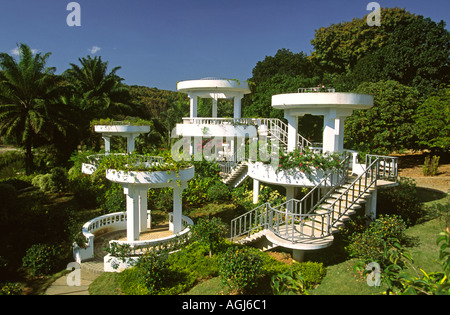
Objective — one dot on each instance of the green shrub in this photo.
(53, 182)
(195, 257)
(289, 282)
(209, 232)
(10, 288)
(312, 273)
(42, 259)
(147, 276)
(240, 268)
(369, 244)
(218, 191)
(115, 200)
(430, 165)
(402, 200)
(59, 179)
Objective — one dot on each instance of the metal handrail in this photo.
(292, 215)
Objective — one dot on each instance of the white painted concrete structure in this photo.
(137, 218)
(214, 88)
(335, 107)
(128, 131)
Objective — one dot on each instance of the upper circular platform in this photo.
(322, 100)
(121, 129)
(213, 85)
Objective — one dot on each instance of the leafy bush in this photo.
(147, 276)
(312, 273)
(209, 232)
(369, 245)
(42, 259)
(288, 283)
(402, 200)
(53, 182)
(59, 179)
(240, 268)
(430, 166)
(115, 200)
(10, 288)
(218, 191)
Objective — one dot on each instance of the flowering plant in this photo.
(307, 161)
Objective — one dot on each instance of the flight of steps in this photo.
(257, 240)
(352, 194)
(237, 176)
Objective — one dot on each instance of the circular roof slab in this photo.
(213, 85)
(322, 100)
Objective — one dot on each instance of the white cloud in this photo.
(94, 49)
(16, 52)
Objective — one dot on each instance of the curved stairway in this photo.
(310, 223)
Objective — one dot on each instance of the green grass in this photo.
(106, 284)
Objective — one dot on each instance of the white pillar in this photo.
(178, 208)
(371, 206)
(214, 108)
(333, 130)
(130, 143)
(107, 143)
(292, 131)
(193, 105)
(256, 186)
(298, 255)
(143, 210)
(290, 194)
(237, 106)
(132, 213)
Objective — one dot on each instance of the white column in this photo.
(371, 206)
(107, 143)
(237, 106)
(130, 143)
(214, 108)
(256, 186)
(292, 131)
(298, 255)
(193, 105)
(132, 213)
(143, 210)
(333, 131)
(177, 209)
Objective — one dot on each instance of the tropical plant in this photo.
(30, 102)
(99, 93)
(209, 232)
(387, 126)
(289, 282)
(240, 268)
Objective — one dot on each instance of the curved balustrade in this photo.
(117, 222)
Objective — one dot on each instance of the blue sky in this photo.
(160, 42)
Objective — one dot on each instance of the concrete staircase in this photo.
(310, 223)
(237, 176)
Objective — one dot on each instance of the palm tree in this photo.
(101, 94)
(29, 94)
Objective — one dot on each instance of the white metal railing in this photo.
(276, 127)
(316, 89)
(290, 219)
